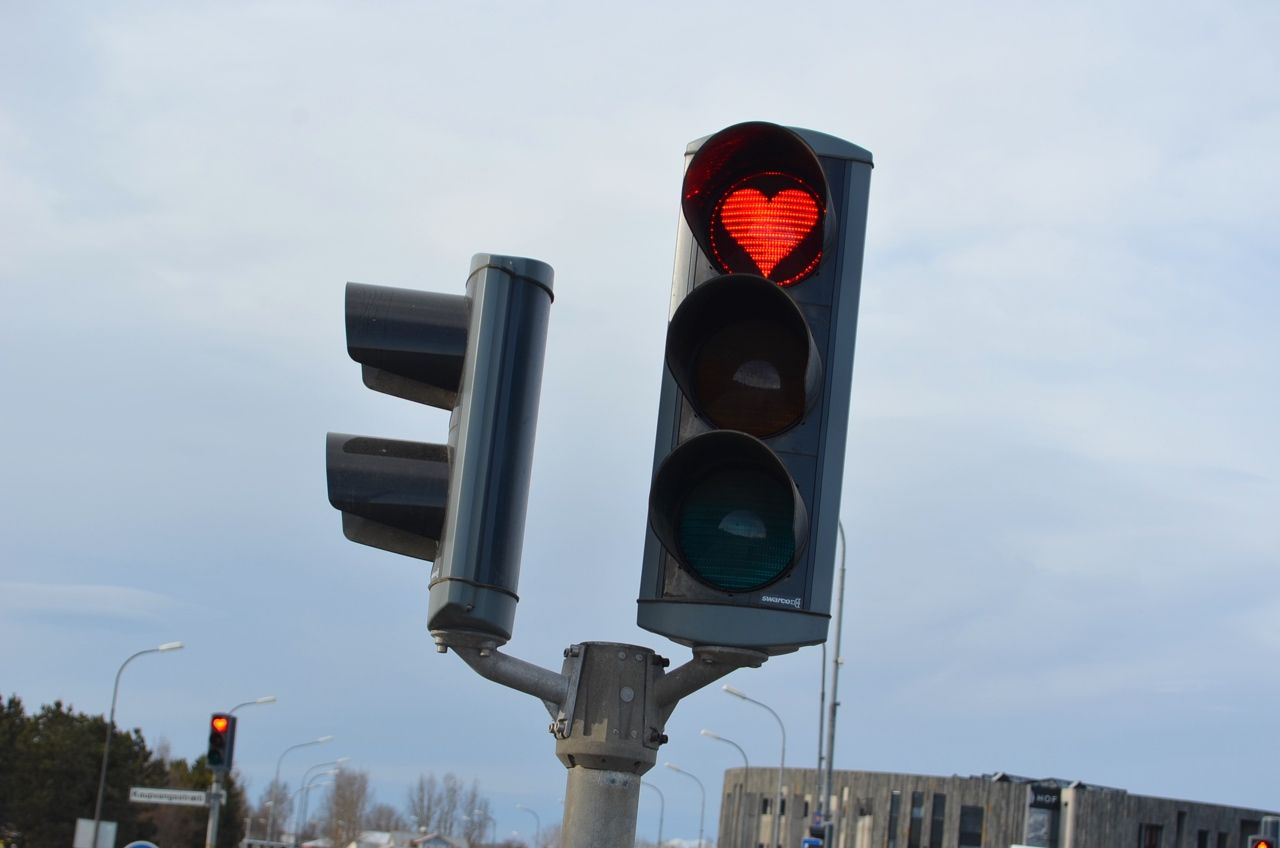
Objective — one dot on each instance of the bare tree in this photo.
(348, 801)
(450, 805)
(384, 817)
(276, 796)
(475, 821)
(424, 800)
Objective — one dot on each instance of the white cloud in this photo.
(38, 600)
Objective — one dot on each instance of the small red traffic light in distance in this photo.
(222, 741)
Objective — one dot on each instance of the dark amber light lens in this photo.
(750, 376)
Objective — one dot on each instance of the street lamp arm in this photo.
(265, 699)
(702, 793)
(782, 761)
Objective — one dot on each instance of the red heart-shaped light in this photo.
(769, 228)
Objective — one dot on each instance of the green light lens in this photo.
(736, 528)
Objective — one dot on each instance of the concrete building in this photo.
(883, 810)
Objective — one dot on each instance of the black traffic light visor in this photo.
(411, 343)
(392, 493)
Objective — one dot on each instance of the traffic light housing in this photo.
(460, 505)
(749, 454)
(1261, 842)
(222, 741)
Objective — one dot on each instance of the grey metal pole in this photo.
(111, 726)
(702, 806)
(782, 761)
(740, 825)
(836, 661)
(662, 807)
(215, 807)
(271, 816)
(608, 706)
(591, 792)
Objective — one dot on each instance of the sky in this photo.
(1061, 482)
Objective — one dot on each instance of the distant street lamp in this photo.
(265, 699)
(537, 820)
(662, 807)
(702, 808)
(782, 761)
(306, 775)
(742, 807)
(111, 726)
(305, 789)
(276, 782)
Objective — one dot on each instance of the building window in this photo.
(1202, 839)
(782, 806)
(970, 827)
(805, 814)
(936, 820)
(895, 808)
(764, 806)
(1149, 835)
(917, 820)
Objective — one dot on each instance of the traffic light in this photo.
(749, 456)
(222, 741)
(462, 504)
(1261, 842)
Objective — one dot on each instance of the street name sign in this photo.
(184, 797)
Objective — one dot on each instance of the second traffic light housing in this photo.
(460, 505)
(749, 455)
(222, 741)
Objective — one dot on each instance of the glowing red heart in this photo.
(769, 228)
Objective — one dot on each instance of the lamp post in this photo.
(305, 789)
(746, 767)
(662, 807)
(537, 821)
(265, 699)
(111, 726)
(306, 775)
(702, 808)
(275, 784)
(215, 788)
(828, 820)
(782, 761)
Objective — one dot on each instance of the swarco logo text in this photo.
(772, 599)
